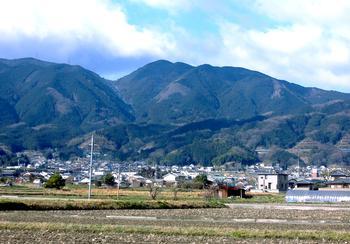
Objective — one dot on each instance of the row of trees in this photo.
(201, 182)
(56, 181)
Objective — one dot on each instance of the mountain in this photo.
(177, 93)
(55, 100)
(171, 113)
(38, 93)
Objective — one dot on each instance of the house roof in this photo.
(86, 180)
(339, 173)
(306, 182)
(270, 173)
(340, 181)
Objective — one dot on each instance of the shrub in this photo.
(108, 179)
(55, 181)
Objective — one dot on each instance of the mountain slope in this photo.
(173, 113)
(165, 92)
(43, 105)
(42, 92)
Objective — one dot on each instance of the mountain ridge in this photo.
(172, 113)
(163, 92)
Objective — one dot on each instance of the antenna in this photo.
(90, 173)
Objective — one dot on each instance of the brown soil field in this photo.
(242, 223)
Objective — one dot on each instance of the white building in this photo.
(272, 182)
(172, 178)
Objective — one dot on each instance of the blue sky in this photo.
(303, 41)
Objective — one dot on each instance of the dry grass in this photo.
(82, 191)
(188, 231)
(69, 204)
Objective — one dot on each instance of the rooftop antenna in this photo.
(90, 173)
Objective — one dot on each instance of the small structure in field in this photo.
(317, 196)
(232, 189)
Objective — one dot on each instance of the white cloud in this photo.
(320, 11)
(99, 23)
(304, 54)
(309, 43)
(170, 5)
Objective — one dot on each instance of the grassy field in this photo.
(134, 217)
(78, 191)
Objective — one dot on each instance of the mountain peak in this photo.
(166, 92)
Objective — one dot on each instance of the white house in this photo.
(37, 183)
(272, 182)
(172, 178)
(136, 181)
(85, 181)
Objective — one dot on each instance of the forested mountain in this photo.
(172, 113)
(165, 92)
(42, 102)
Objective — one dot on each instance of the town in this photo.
(229, 180)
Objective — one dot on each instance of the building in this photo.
(339, 183)
(314, 173)
(304, 184)
(338, 174)
(272, 182)
(173, 178)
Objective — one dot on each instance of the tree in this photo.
(98, 183)
(175, 190)
(154, 191)
(55, 181)
(108, 179)
(202, 180)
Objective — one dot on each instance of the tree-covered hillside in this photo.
(171, 113)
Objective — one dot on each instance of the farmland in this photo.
(240, 223)
(67, 216)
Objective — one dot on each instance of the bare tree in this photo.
(211, 192)
(154, 191)
(175, 190)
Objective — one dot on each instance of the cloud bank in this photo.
(303, 41)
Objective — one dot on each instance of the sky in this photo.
(303, 41)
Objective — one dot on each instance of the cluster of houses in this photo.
(255, 178)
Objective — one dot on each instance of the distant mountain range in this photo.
(165, 92)
(169, 112)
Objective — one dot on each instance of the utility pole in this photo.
(298, 163)
(90, 173)
(155, 172)
(118, 186)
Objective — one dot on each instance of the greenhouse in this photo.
(317, 196)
